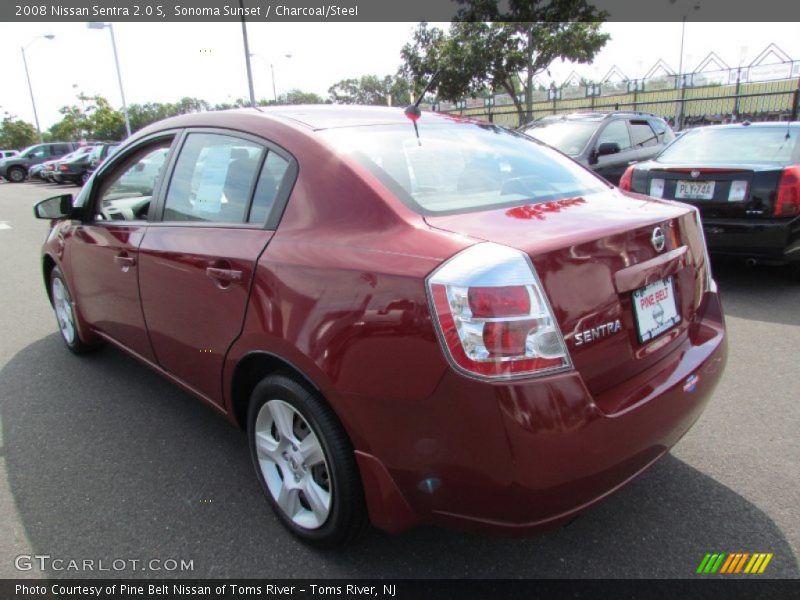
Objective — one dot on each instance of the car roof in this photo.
(312, 117)
(748, 125)
(593, 116)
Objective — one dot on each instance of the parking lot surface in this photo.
(100, 458)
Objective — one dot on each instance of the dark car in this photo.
(74, 168)
(100, 153)
(745, 181)
(605, 142)
(15, 168)
(437, 321)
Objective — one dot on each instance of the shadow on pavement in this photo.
(107, 460)
(761, 292)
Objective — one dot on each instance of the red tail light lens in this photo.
(507, 301)
(626, 180)
(493, 317)
(787, 203)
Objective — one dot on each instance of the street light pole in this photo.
(110, 26)
(119, 79)
(247, 57)
(33, 102)
(49, 36)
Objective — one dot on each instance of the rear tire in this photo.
(16, 174)
(64, 308)
(794, 271)
(305, 462)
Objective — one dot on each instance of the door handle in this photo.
(124, 261)
(223, 277)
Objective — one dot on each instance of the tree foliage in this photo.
(16, 134)
(490, 49)
(371, 90)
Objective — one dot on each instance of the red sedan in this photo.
(414, 319)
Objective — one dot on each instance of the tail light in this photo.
(704, 270)
(63, 168)
(626, 179)
(787, 203)
(493, 317)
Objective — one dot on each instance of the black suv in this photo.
(15, 169)
(605, 142)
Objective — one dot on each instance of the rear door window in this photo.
(642, 134)
(213, 179)
(269, 182)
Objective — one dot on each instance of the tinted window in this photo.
(616, 132)
(460, 167)
(127, 190)
(213, 179)
(37, 152)
(267, 188)
(736, 144)
(642, 134)
(59, 149)
(570, 137)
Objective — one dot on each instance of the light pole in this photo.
(272, 72)
(681, 79)
(48, 36)
(110, 26)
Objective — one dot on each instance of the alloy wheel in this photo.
(293, 463)
(63, 308)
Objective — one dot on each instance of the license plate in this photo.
(655, 309)
(694, 190)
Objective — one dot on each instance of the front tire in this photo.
(64, 308)
(305, 462)
(16, 174)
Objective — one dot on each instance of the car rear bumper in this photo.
(768, 240)
(512, 458)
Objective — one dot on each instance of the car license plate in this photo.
(655, 309)
(694, 190)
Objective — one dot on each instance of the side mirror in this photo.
(139, 167)
(607, 148)
(57, 207)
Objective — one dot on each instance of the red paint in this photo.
(338, 291)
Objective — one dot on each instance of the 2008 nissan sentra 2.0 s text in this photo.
(415, 319)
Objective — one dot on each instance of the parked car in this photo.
(99, 154)
(605, 142)
(745, 181)
(440, 321)
(15, 169)
(73, 167)
(8, 153)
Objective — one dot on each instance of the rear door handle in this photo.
(223, 277)
(124, 261)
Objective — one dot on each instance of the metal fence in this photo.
(758, 92)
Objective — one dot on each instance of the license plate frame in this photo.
(655, 309)
(705, 190)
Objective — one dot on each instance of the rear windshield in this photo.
(570, 137)
(463, 167)
(740, 144)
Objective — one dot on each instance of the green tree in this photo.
(16, 134)
(371, 90)
(503, 51)
(299, 97)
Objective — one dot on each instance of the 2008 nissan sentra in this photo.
(416, 319)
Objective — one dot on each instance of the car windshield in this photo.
(29, 151)
(732, 145)
(570, 137)
(464, 166)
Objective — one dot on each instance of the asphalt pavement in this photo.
(102, 459)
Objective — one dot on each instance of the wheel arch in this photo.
(48, 264)
(250, 370)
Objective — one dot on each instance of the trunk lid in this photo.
(743, 190)
(591, 253)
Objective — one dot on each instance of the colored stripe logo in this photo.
(734, 563)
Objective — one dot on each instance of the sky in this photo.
(163, 62)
